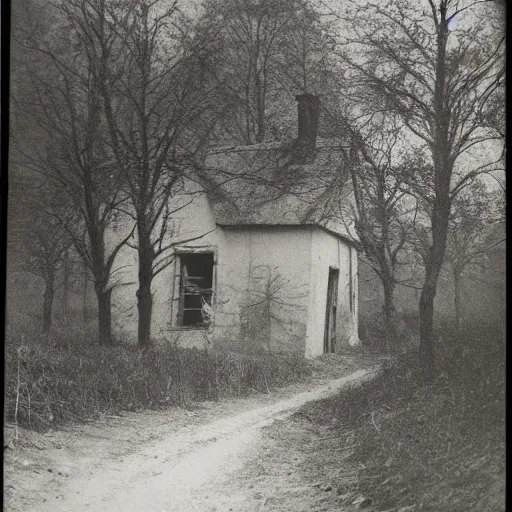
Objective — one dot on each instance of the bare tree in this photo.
(470, 236)
(263, 49)
(60, 96)
(380, 217)
(37, 241)
(273, 302)
(156, 98)
(438, 66)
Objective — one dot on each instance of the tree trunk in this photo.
(104, 297)
(426, 351)
(101, 274)
(49, 293)
(268, 316)
(426, 310)
(456, 293)
(84, 297)
(440, 218)
(145, 307)
(260, 111)
(144, 297)
(389, 311)
(443, 168)
(65, 290)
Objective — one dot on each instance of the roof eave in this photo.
(343, 238)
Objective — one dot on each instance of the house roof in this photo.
(276, 184)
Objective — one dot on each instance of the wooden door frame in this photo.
(330, 315)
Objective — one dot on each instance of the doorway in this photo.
(331, 310)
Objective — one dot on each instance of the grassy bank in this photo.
(432, 448)
(62, 378)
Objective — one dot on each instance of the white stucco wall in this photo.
(328, 251)
(254, 259)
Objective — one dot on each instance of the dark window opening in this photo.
(196, 289)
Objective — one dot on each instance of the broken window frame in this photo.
(208, 294)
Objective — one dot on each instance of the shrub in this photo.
(375, 334)
(57, 380)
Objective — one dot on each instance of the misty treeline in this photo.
(114, 102)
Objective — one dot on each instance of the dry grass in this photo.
(435, 448)
(376, 337)
(63, 378)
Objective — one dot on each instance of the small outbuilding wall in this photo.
(263, 288)
(327, 252)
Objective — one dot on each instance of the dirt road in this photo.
(158, 461)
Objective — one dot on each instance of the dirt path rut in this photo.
(175, 471)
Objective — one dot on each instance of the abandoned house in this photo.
(267, 267)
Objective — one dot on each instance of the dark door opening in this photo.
(196, 288)
(331, 309)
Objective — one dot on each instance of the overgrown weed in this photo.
(438, 447)
(377, 337)
(64, 378)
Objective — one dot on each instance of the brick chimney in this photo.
(309, 112)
